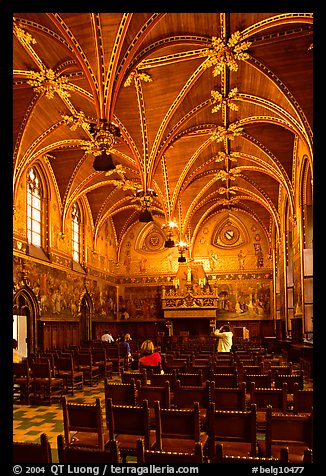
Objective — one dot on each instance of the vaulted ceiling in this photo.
(209, 106)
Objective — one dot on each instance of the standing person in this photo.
(107, 337)
(149, 356)
(225, 336)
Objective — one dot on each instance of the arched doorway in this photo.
(25, 312)
(86, 307)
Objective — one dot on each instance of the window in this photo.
(75, 215)
(34, 208)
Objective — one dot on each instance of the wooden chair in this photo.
(25, 452)
(178, 429)
(45, 386)
(290, 380)
(261, 381)
(228, 398)
(128, 375)
(78, 454)
(113, 354)
(235, 429)
(262, 397)
(121, 393)
(185, 396)
(225, 369)
(224, 380)
(72, 379)
(83, 424)
(151, 394)
(190, 378)
(251, 369)
(86, 365)
(126, 424)
(101, 360)
(292, 431)
(220, 457)
(176, 364)
(158, 379)
(302, 399)
(283, 369)
(22, 382)
(169, 457)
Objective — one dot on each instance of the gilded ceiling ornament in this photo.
(219, 100)
(224, 156)
(232, 174)
(49, 82)
(136, 75)
(222, 190)
(103, 139)
(226, 53)
(221, 132)
(125, 184)
(76, 120)
(23, 36)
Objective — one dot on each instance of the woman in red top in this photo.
(149, 357)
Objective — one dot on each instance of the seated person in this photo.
(107, 337)
(16, 354)
(125, 343)
(148, 355)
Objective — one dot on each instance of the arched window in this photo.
(35, 213)
(76, 232)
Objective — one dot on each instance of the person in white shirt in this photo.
(225, 336)
(107, 337)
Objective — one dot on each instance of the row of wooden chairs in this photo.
(25, 453)
(226, 398)
(179, 429)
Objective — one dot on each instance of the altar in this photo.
(191, 296)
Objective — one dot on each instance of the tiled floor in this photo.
(29, 421)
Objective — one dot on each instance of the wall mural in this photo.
(142, 303)
(247, 299)
(59, 292)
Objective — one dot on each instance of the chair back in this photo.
(42, 370)
(128, 375)
(232, 426)
(84, 418)
(24, 452)
(78, 454)
(169, 457)
(224, 379)
(303, 400)
(260, 380)
(220, 457)
(192, 379)
(228, 398)
(120, 393)
(293, 431)
(276, 397)
(290, 380)
(177, 423)
(152, 393)
(126, 420)
(185, 396)
(158, 379)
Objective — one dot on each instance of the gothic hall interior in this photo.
(163, 188)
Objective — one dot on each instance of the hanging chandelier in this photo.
(182, 248)
(171, 227)
(146, 199)
(100, 146)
